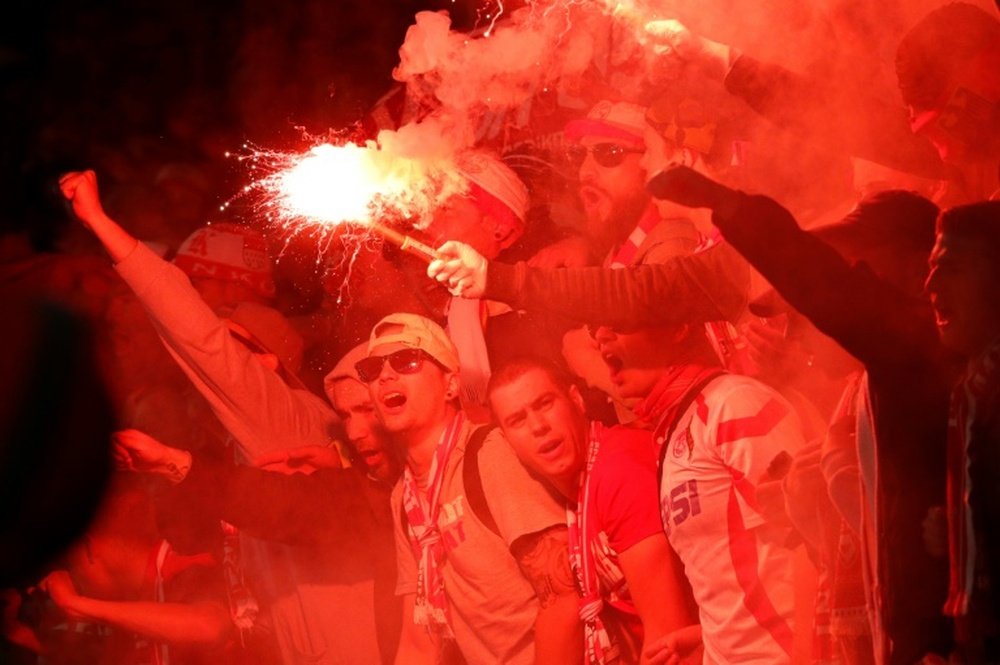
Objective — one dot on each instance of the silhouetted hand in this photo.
(137, 451)
(687, 187)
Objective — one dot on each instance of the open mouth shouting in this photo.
(392, 401)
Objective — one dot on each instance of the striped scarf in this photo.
(431, 609)
(981, 381)
(599, 649)
(625, 255)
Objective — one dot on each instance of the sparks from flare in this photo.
(346, 192)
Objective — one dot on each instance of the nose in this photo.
(356, 429)
(603, 334)
(387, 373)
(539, 423)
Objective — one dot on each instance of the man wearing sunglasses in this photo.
(500, 593)
(612, 147)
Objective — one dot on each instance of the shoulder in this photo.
(734, 392)
(625, 447)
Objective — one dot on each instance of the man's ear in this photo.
(452, 385)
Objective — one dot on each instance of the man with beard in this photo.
(484, 569)
(621, 225)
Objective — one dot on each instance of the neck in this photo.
(421, 444)
(569, 485)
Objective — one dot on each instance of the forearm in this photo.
(205, 623)
(559, 631)
(848, 303)
(708, 286)
(294, 509)
(118, 242)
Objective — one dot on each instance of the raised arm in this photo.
(235, 383)
(203, 623)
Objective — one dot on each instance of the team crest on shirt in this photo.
(684, 444)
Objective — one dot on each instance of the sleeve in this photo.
(519, 503)
(865, 125)
(711, 285)
(327, 506)
(750, 426)
(626, 495)
(406, 562)
(259, 409)
(872, 320)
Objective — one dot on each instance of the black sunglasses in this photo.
(404, 361)
(608, 155)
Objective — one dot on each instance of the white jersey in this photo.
(717, 454)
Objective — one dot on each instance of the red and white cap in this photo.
(228, 252)
(623, 122)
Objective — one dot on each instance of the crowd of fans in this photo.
(631, 413)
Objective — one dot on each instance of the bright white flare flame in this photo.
(332, 184)
(349, 183)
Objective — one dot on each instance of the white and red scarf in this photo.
(625, 255)
(662, 406)
(981, 379)
(422, 507)
(599, 649)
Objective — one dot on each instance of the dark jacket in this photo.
(338, 513)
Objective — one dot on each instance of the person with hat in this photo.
(227, 263)
(480, 543)
(611, 147)
(253, 391)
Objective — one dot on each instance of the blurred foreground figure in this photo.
(53, 470)
(963, 286)
(123, 596)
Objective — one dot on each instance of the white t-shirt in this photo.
(716, 455)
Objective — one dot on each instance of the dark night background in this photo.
(152, 93)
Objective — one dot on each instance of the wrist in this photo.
(175, 466)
